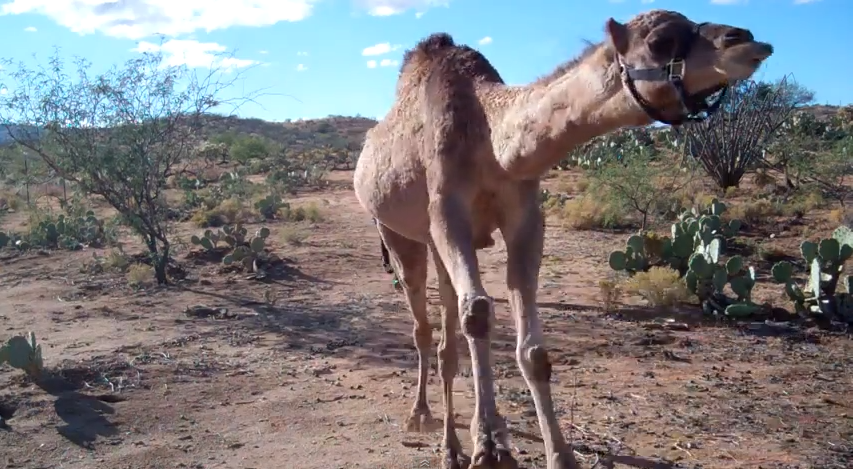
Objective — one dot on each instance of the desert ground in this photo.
(325, 376)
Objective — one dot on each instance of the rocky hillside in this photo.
(338, 132)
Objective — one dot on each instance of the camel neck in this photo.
(542, 122)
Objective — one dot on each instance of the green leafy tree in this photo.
(249, 147)
(640, 181)
(119, 134)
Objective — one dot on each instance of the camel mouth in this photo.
(739, 63)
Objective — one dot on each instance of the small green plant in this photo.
(610, 292)
(825, 261)
(140, 276)
(208, 240)
(248, 252)
(269, 206)
(68, 232)
(661, 287)
(707, 277)
(24, 354)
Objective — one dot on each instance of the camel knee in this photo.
(534, 363)
(477, 315)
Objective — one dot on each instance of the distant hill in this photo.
(337, 132)
(6, 137)
(823, 112)
(334, 131)
(342, 132)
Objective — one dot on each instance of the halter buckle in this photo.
(675, 69)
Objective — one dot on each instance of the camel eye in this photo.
(662, 46)
(737, 36)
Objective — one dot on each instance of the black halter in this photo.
(694, 107)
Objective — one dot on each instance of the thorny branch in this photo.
(733, 139)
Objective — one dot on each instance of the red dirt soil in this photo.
(326, 377)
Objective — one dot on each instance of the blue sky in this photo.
(314, 57)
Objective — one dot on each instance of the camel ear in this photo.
(618, 36)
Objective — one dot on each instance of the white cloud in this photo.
(263, 52)
(301, 68)
(193, 54)
(419, 14)
(485, 41)
(647, 1)
(804, 2)
(30, 29)
(382, 63)
(395, 7)
(302, 54)
(136, 19)
(4, 91)
(379, 49)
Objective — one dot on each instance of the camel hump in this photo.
(429, 48)
(435, 42)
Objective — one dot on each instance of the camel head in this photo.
(671, 65)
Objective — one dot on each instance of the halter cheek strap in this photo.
(694, 107)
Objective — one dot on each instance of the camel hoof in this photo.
(454, 460)
(420, 421)
(563, 461)
(497, 458)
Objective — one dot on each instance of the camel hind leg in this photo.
(448, 364)
(410, 260)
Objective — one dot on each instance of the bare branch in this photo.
(735, 138)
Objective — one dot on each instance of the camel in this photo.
(460, 155)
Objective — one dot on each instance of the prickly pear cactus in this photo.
(208, 241)
(269, 206)
(24, 354)
(633, 259)
(695, 250)
(825, 262)
(250, 254)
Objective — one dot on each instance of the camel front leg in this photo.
(523, 230)
(450, 229)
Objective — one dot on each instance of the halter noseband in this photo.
(694, 107)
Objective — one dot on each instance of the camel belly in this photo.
(392, 187)
(394, 194)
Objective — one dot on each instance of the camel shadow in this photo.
(84, 416)
(562, 306)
